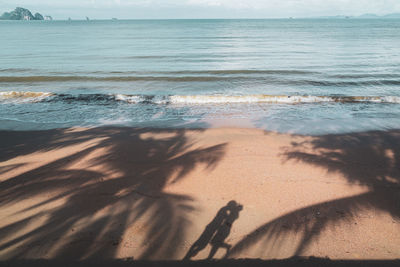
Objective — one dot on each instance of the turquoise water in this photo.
(298, 76)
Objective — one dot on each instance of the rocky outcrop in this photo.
(21, 14)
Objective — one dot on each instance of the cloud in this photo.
(281, 6)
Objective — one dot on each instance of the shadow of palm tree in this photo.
(371, 159)
(123, 183)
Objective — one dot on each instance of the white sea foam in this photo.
(24, 96)
(279, 99)
(205, 99)
(217, 99)
(128, 98)
(196, 99)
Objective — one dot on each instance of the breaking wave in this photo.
(24, 96)
(221, 77)
(16, 96)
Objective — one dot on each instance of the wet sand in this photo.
(162, 194)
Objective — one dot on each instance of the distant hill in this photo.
(392, 16)
(374, 16)
(364, 16)
(368, 16)
(22, 14)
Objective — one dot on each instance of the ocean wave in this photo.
(178, 72)
(221, 77)
(281, 99)
(13, 70)
(16, 96)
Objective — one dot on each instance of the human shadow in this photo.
(216, 231)
(110, 180)
(368, 159)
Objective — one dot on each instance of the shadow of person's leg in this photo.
(228, 248)
(214, 250)
(192, 252)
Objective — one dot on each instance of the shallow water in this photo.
(299, 76)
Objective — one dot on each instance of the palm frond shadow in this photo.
(370, 159)
(95, 207)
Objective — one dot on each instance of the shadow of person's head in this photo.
(234, 206)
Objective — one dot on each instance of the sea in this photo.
(298, 76)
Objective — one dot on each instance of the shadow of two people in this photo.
(216, 231)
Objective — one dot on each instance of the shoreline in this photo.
(151, 193)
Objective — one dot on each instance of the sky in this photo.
(178, 9)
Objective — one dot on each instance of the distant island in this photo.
(23, 14)
(364, 16)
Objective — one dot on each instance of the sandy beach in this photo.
(162, 194)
